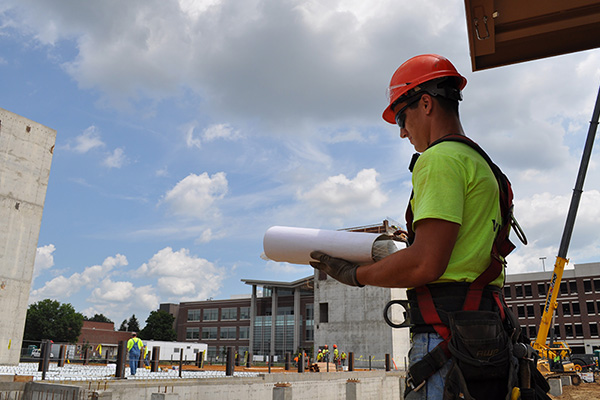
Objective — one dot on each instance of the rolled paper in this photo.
(294, 245)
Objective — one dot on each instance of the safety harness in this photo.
(502, 246)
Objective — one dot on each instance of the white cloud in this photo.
(88, 140)
(340, 196)
(190, 139)
(44, 259)
(195, 195)
(63, 287)
(182, 276)
(116, 159)
(220, 131)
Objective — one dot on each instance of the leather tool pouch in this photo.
(480, 345)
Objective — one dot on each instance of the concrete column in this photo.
(26, 149)
(274, 301)
(282, 391)
(353, 389)
(297, 319)
(252, 323)
(555, 386)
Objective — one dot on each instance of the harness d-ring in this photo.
(404, 303)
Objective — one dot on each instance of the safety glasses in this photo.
(401, 116)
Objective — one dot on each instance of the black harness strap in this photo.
(502, 246)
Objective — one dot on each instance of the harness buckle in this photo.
(411, 384)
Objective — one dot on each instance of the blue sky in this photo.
(186, 128)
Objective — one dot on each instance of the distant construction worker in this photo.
(454, 221)
(320, 355)
(343, 358)
(336, 356)
(326, 354)
(134, 347)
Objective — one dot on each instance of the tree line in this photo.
(49, 319)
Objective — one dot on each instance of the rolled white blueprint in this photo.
(294, 245)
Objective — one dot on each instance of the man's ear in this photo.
(428, 103)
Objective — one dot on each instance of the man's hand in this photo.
(337, 268)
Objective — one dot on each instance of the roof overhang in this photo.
(304, 283)
(512, 31)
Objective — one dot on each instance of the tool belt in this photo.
(449, 298)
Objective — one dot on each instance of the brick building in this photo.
(578, 312)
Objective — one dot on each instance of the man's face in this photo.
(407, 117)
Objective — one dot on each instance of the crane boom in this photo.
(561, 259)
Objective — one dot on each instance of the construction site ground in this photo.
(585, 391)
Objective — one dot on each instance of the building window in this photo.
(211, 314)
(532, 331)
(519, 291)
(557, 331)
(530, 313)
(563, 288)
(323, 312)
(593, 329)
(590, 307)
(244, 312)
(568, 330)
(597, 285)
(244, 332)
(566, 307)
(209, 333)
(528, 292)
(229, 314)
(587, 286)
(507, 292)
(573, 287)
(541, 289)
(576, 309)
(229, 332)
(578, 330)
(193, 315)
(521, 311)
(192, 333)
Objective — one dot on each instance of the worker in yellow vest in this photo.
(134, 347)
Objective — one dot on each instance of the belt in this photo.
(448, 297)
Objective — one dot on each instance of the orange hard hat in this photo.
(335, 346)
(416, 71)
(325, 346)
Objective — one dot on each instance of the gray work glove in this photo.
(339, 269)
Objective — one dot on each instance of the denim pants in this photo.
(423, 343)
(134, 358)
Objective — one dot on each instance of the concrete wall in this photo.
(356, 322)
(319, 386)
(25, 156)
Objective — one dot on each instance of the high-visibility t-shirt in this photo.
(134, 341)
(452, 182)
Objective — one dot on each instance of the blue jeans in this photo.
(423, 343)
(134, 358)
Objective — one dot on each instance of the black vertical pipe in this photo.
(86, 355)
(155, 359)
(61, 355)
(230, 364)
(301, 362)
(388, 362)
(121, 356)
(288, 361)
(351, 361)
(180, 362)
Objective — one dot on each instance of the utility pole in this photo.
(543, 265)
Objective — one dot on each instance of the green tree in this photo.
(49, 319)
(97, 318)
(133, 325)
(159, 326)
(123, 326)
